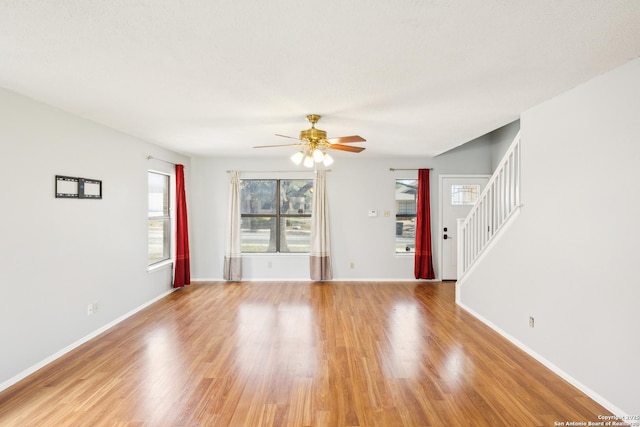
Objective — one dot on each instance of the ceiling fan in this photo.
(314, 143)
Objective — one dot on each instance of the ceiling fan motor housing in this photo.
(315, 137)
(313, 134)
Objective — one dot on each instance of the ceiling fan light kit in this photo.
(317, 156)
(314, 143)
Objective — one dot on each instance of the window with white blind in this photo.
(159, 225)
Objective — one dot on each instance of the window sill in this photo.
(405, 254)
(160, 265)
(277, 254)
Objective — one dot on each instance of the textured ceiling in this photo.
(210, 77)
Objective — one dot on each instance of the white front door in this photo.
(458, 194)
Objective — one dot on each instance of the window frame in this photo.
(404, 217)
(277, 216)
(165, 217)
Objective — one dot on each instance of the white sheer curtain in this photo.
(233, 254)
(319, 257)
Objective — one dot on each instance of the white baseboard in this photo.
(555, 369)
(22, 375)
(371, 279)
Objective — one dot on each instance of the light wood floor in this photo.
(298, 354)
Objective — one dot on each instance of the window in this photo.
(406, 191)
(464, 194)
(159, 219)
(275, 215)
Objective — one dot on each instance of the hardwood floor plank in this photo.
(298, 354)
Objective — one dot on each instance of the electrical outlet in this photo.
(352, 265)
(92, 308)
(387, 213)
(269, 264)
(532, 321)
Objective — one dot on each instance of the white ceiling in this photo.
(216, 77)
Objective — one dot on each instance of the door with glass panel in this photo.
(458, 194)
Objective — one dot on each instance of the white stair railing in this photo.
(496, 204)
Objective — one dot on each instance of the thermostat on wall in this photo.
(373, 212)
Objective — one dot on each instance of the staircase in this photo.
(495, 206)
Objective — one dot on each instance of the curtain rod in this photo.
(408, 169)
(155, 158)
(296, 171)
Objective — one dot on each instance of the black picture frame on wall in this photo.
(70, 187)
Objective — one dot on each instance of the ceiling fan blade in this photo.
(346, 148)
(290, 137)
(346, 139)
(279, 145)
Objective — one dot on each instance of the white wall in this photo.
(501, 140)
(59, 255)
(355, 185)
(570, 259)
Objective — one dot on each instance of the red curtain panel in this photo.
(424, 257)
(182, 273)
